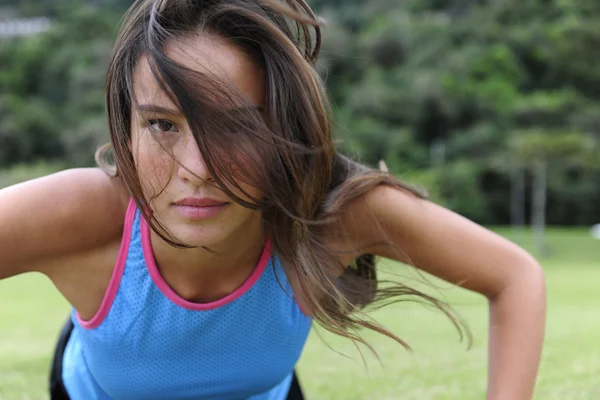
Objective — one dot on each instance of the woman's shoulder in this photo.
(88, 213)
(51, 219)
(94, 205)
(88, 202)
(360, 222)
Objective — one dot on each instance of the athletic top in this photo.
(146, 342)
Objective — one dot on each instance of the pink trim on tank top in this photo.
(115, 279)
(175, 298)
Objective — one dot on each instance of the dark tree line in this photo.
(493, 106)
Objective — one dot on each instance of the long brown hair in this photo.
(288, 151)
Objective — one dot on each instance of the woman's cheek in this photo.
(155, 167)
(246, 173)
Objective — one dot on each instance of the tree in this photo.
(540, 151)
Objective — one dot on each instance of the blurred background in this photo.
(493, 106)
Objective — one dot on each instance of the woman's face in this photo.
(182, 193)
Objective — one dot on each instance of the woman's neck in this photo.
(207, 274)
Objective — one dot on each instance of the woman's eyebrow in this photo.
(153, 108)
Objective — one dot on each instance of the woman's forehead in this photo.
(146, 88)
(209, 55)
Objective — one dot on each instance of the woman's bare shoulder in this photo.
(50, 219)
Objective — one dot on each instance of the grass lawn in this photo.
(31, 313)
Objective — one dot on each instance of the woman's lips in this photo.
(199, 207)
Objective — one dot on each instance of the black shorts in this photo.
(59, 392)
(57, 388)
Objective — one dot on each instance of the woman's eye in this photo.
(162, 125)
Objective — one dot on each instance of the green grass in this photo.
(31, 313)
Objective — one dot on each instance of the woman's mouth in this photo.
(199, 207)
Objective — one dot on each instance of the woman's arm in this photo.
(46, 222)
(459, 251)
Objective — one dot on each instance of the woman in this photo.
(197, 265)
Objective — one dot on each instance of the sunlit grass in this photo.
(440, 367)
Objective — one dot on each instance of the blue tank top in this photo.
(145, 342)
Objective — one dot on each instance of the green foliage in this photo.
(460, 191)
(558, 148)
(23, 172)
(488, 84)
(498, 83)
(52, 89)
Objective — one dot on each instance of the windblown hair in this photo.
(287, 151)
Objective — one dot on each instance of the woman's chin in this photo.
(222, 230)
(200, 237)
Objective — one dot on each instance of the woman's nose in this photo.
(191, 167)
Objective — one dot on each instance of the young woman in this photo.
(197, 265)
